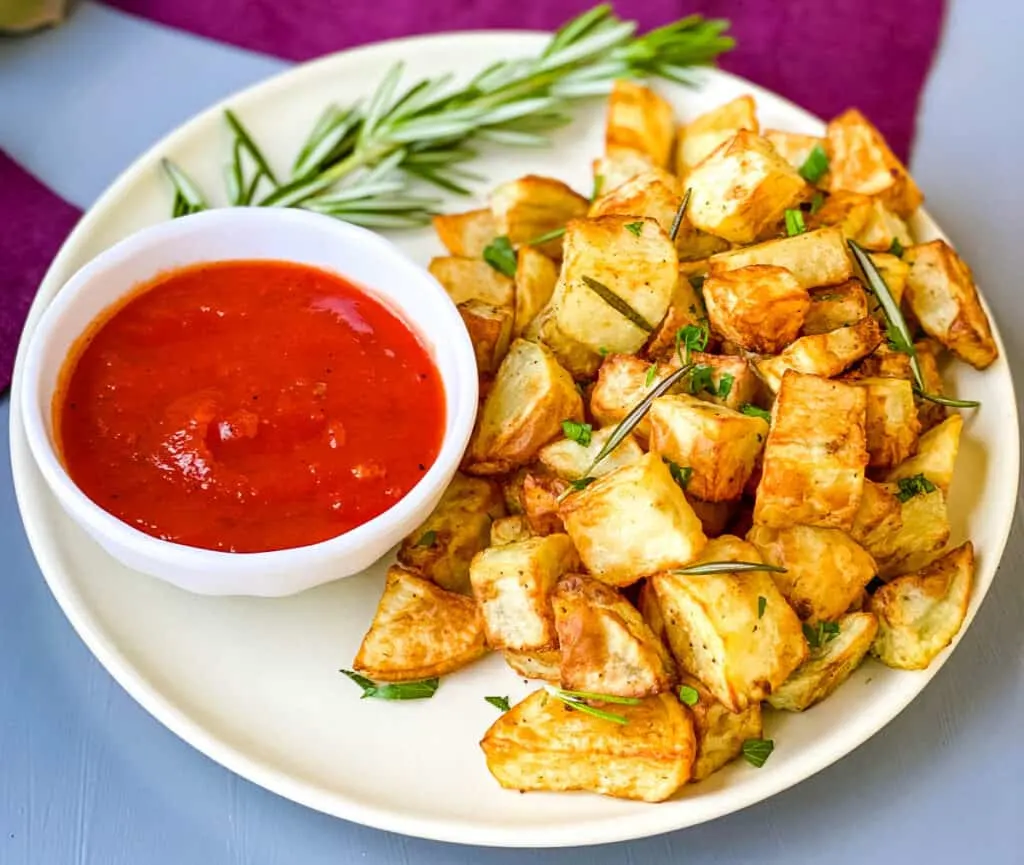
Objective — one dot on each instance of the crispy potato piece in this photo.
(419, 631)
(543, 744)
(829, 666)
(879, 519)
(732, 378)
(936, 455)
(685, 307)
(699, 138)
(894, 271)
(536, 275)
(714, 516)
(826, 570)
(942, 295)
(824, 354)
(542, 664)
(466, 234)
(815, 258)
(524, 410)
(622, 382)
(639, 120)
(760, 307)
(456, 530)
(881, 228)
(742, 189)
(834, 307)
(892, 424)
(930, 413)
(472, 279)
(650, 609)
(570, 460)
(526, 208)
(883, 362)
(614, 169)
(862, 218)
(606, 646)
(507, 530)
(490, 330)
(795, 148)
(654, 193)
(719, 445)
(540, 494)
(632, 522)
(923, 535)
(715, 631)
(512, 491)
(815, 455)
(919, 614)
(513, 583)
(720, 732)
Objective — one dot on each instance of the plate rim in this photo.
(631, 826)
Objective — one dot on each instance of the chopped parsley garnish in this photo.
(757, 751)
(896, 248)
(652, 371)
(422, 690)
(598, 186)
(725, 381)
(762, 604)
(795, 223)
(700, 379)
(680, 474)
(500, 703)
(577, 432)
(691, 337)
(820, 634)
(427, 539)
(635, 228)
(500, 255)
(688, 696)
(815, 165)
(817, 202)
(753, 411)
(913, 486)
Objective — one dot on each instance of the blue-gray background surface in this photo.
(943, 783)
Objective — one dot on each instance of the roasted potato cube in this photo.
(714, 516)
(639, 120)
(861, 161)
(923, 535)
(699, 138)
(829, 666)
(826, 569)
(571, 460)
(614, 169)
(531, 206)
(815, 258)
(718, 444)
(720, 732)
(894, 271)
(524, 410)
(536, 275)
(731, 381)
(824, 354)
(941, 294)
(621, 383)
(543, 664)
(540, 494)
(930, 413)
(650, 609)
(633, 522)
(815, 455)
(919, 614)
(881, 228)
(936, 455)
(848, 211)
(543, 744)
(795, 147)
(716, 633)
(490, 329)
(507, 530)
(456, 530)
(513, 583)
(879, 519)
(741, 189)
(466, 234)
(892, 424)
(655, 194)
(685, 307)
(607, 647)
(472, 279)
(760, 307)
(419, 631)
(834, 307)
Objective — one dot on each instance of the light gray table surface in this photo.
(944, 782)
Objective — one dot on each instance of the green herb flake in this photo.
(795, 223)
(757, 751)
(688, 696)
(422, 690)
(753, 411)
(500, 703)
(581, 483)
(635, 228)
(913, 486)
(652, 372)
(815, 165)
(701, 380)
(817, 202)
(896, 248)
(598, 186)
(427, 539)
(622, 307)
(578, 432)
(762, 604)
(603, 351)
(680, 474)
(821, 633)
(690, 337)
(500, 255)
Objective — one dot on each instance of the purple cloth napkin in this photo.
(873, 54)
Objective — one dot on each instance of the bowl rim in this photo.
(444, 331)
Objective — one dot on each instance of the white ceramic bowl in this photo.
(253, 233)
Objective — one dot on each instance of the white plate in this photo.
(254, 683)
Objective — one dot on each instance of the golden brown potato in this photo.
(536, 275)
(622, 382)
(524, 410)
(923, 535)
(531, 206)
(639, 121)
(684, 308)
(919, 614)
(490, 330)
(456, 530)
(717, 444)
(883, 362)
(936, 455)
(699, 138)
(650, 609)
(720, 733)
(742, 188)
(730, 381)
(632, 523)
(815, 455)
(861, 161)
(930, 413)
(419, 631)
(829, 666)
(722, 632)
(614, 169)
(655, 194)
(472, 279)
(542, 664)
(892, 424)
(540, 492)
(760, 307)
(876, 527)
(824, 354)
(513, 583)
(507, 530)
(942, 295)
(606, 646)
(795, 148)
(815, 258)
(543, 744)
(834, 307)
(862, 218)
(894, 271)
(826, 570)
(882, 228)
(571, 461)
(466, 234)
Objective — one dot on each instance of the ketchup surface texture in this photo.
(249, 406)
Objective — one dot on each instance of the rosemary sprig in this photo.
(621, 306)
(706, 568)
(677, 220)
(571, 699)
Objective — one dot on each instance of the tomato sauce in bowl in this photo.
(249, 406)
